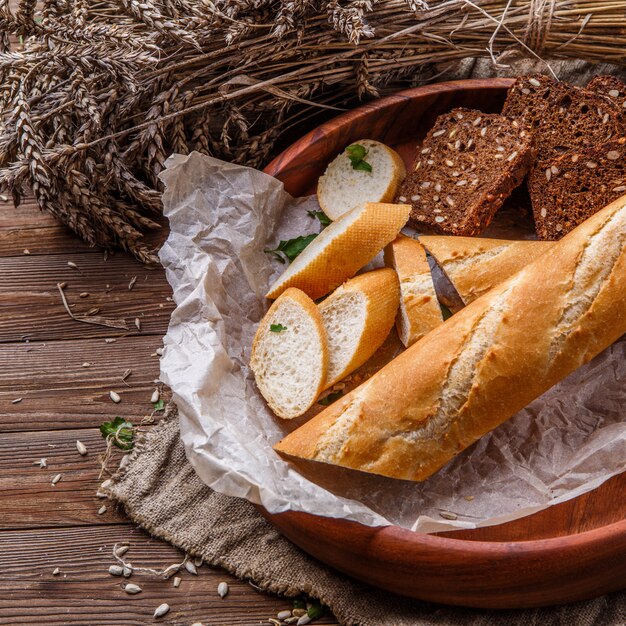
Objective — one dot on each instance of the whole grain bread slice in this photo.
(562, 117)
(609, 86)
(466, 167)
(567, 190)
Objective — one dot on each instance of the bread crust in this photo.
(310, 308)
(382, 293)
(387, 425)
(475, 265)
(340, 259)
(422, 311)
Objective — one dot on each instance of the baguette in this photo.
(483, 364)
(358, 317)
(476, 265)
(290, 354)
(419, 310)
(342, 187)
(342, 249)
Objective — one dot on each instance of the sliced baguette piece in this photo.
(358, 317)
(341, 187)
(342, 249)
(290, 364)
(419, 310)
(475, 265)
(482, 365)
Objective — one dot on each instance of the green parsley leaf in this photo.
(120, 431)
(277, 328)
(330, 398)
(315, 610)
(321, 216)
(299, 603)
(446, 312)
(159, 405)
(357, 153)
(291, 248)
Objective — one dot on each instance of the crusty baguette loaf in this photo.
(290, 354)
(483, 364)
(476, 265)
(342, 249)
(342, 187)
(419, 310)
(358, 317)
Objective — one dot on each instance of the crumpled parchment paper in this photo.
(222, 217)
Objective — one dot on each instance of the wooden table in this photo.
(42, 352)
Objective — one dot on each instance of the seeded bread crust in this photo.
(568, 190)
(564, 117)
(465, 169)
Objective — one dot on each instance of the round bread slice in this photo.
(419, 310)
(342, 187)
(290, 354)
(358, 317)
(342, 249)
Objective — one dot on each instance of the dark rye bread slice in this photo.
(567, 190)
(466, 167)
(562, 117)
(611, 87)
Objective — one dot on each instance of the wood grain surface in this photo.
(44, 527)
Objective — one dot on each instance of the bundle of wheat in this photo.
(96, 95)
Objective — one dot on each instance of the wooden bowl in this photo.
(572, 551)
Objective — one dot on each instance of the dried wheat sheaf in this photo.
(96, 94)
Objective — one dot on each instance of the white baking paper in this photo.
(222, 217)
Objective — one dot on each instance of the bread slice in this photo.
(419, 310)
(475, 265)
(611, 87)
(564, 117)
(568, 190)
(358, 317)
(290, 354)
(342, 187)
(468, 164)
(342, 249)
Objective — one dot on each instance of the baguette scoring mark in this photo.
(455, 265)
(600, 254)
(463, 370)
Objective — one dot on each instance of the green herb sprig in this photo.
(277, 328)
(159, 405)
(357, 153)
(291, 248)
(120, 432)
(321, 216)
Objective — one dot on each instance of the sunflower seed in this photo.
(415, 198)
(620, 188)
(449, 163)
(544, 212)
(426, 184)
(483, 131)
(81, 447)
(613, 155)
(425, 151)
(132, 589)
(162, 610)
(449, 201)
(102, 510)
(512, 156)
(437, 187)
(106, 484)
(438, 133)
(439, 219)
(137, 323)
(26, 251)
(198, 560)
(191, 568)
(498, 156)
(534, 81)
(436, 198)
(222, 590)
(298, 612)
(127, 571)
(177, 581)
(559, 228)
(605, 119)
(448, 515)
(305, 619)
(86, 364)
(429, 162)
(122, 550)
(4, 198)
(554, 169)
(452, 133)
(283, 614)
(575, 158)
(56, 479)
(477, 121)
(72, 265)
(132, 282)
(84, 294)
(591, 165)
(116, 570)
(500, 148)
(401, 199)
(56, 571)
(614, 93)
(115, 397)
(16, 401)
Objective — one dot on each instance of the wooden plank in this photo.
(84, 593)
(37, 240)
(32, 305)
(58, 392)
(28, 499)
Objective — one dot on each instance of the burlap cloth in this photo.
(161, 492)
